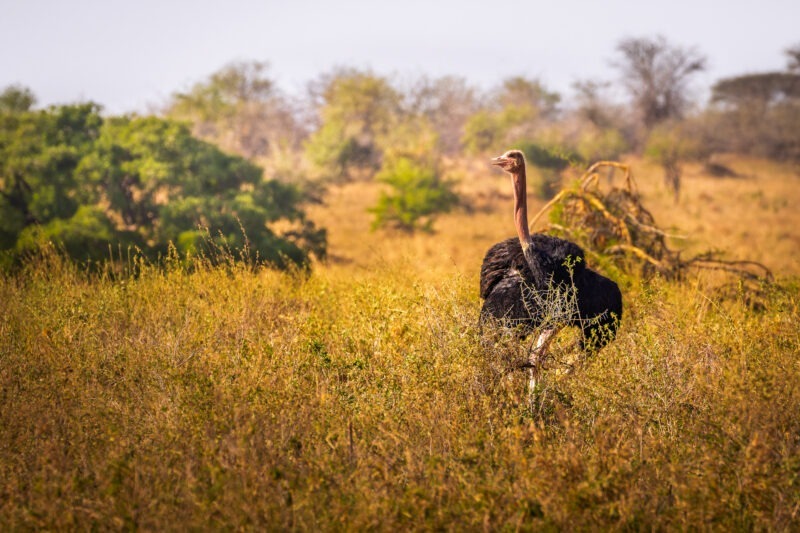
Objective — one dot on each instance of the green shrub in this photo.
(71, 177)
(550, 161)
(418, 194)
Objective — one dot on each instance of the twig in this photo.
(638, 252)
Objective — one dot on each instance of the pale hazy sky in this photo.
(127, 55)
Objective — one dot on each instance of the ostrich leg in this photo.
(537, 357)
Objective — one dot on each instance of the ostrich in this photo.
(540, 281)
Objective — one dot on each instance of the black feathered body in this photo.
(554, 285)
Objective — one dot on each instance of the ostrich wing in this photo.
(559, 260)
(498, 261)
(551, 255)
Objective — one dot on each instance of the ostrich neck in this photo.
(521, 209)
(521, 221)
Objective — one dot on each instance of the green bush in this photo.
(418, 194)
(548, 162)
(73, 178)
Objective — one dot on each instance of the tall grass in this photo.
(232, 397)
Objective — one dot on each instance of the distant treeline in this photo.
(69, 175)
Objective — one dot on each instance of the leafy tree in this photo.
(548, 157)
(446, 103)
(759, 114)
(240, 109)
(355, 110)
(521, 93)
(656, 75)
(495, 130)
(67, 175)
(39, 152)
(594, 107)
(417, 192)
(592, 129)
(598, 144)
(519, 109)
(482, 131)
(16, 99)
(413, 137)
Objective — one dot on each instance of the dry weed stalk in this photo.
(611, 223)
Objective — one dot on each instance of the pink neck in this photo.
(521, 207)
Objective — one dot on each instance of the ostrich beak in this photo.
(499, 161)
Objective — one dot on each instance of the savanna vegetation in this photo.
(256, 312)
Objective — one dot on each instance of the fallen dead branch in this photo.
(612, 224)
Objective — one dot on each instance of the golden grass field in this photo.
(364, 396)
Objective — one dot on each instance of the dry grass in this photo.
(752, 216)
(364, 396)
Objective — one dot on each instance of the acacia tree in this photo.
(656, 75)
(763, 90)
(759, 112)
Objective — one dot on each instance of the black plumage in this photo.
(548, 286)
(518, 298)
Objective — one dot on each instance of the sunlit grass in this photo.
(364, 396)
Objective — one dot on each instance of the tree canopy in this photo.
(240, 109)
(757, 89)
(357, 110)
(15, 99)
(759, 113)
(517, 112)
(69, 176)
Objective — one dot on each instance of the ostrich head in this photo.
(512, 161)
